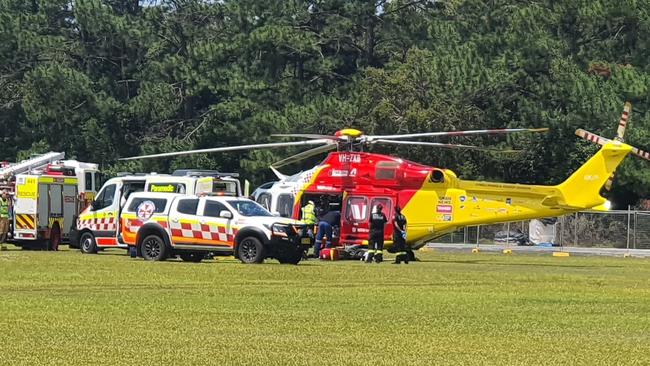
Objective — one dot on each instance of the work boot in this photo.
(379, 258)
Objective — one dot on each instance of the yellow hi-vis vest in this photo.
(4, 208)
(308, 215)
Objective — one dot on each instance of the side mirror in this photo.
(225, 214)
(276, 214)
(94, 204)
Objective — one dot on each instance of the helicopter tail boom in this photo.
(582, 189)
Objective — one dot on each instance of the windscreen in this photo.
(248, 208)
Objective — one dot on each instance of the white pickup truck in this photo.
(163, 225)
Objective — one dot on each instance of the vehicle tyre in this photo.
(55, 238)
(153, 248)
(250, 250)
(291, 257)
(87, 243)
(194, 257)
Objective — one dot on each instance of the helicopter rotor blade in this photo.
(443, 145)
(457, 133)
(304, 155)
(231, 148)
(306, 136)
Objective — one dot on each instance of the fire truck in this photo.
(47, 195)
(98, 226)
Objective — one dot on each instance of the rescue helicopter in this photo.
(434, 199)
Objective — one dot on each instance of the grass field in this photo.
(66, 308)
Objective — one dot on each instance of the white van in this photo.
(98, 226)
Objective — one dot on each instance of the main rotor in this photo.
(352, 140)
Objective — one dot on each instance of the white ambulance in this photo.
(98, 226)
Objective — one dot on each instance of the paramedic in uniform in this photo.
(309, 218)
(376, 243)
(325, 226)
(399, 237)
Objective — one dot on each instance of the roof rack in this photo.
(202, 173)
(127, 174)
(216, 194)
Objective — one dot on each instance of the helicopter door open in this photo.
(355, 228)
(387, 204)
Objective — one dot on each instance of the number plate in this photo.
(305, 241)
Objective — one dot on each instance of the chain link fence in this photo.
(612, 229)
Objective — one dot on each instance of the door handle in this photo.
(110, 214)
(202, 222)
(174, 220)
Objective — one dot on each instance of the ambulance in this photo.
(98, 226)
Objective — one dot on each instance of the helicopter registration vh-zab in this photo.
(434, 200)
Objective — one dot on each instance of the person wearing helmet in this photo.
(376, 243)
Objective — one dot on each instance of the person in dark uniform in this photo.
(325, 225)
(376, 243)
(399, 237)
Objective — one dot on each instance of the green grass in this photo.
(66, 308)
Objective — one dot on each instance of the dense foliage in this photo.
(107, 79)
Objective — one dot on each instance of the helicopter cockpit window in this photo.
(285, 205)
(386, 170)
(264, 199)
(356, 209)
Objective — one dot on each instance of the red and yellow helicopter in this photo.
(434, 200)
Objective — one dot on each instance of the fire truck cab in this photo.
(98, 226)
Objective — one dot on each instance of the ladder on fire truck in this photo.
(7, 171)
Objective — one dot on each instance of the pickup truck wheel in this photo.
(192, 257)
(250, 250)
(153, 248)
(87, 243)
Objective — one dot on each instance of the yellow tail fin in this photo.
(582, 189)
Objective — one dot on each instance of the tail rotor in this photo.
(620, 138)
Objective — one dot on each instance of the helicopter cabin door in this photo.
(355, 226)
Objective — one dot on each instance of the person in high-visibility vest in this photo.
(4, 219)
(309, 218)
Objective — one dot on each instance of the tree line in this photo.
(104, 79)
